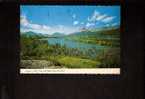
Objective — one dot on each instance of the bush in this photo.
(109, 58)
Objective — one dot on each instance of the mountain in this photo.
(30, 34)
(57, 34)
(84, 33)
(105, 35)
(103, 32)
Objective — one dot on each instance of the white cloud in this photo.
(35, 26)
(24, 20)
(74, 16)
(75, 22)
(111, 25)
(107, 25)
(90, 24)
(108, 19)
(94, 16)
(45, 27)
(101, 17)
(64, 29)
(82, 23)
(26, 26)
(97, 16)
(114, 24)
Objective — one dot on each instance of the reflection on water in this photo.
(74, 44)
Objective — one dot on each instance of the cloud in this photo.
(35, 26)
(74, 16)
(101, 17)
(93, 17)
(90, 24)
(82, 23)
(64, 29)
(111, 25)
(45, 27)
(107, 25)
(75, 22)
(24, 20)
(108, 19)
(27, 25)
(114, 24)
(97, 16)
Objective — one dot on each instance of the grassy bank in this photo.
(60, 62)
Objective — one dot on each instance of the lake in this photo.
(74, 44)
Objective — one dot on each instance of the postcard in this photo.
(70, 39)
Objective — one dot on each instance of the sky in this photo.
(67, 19)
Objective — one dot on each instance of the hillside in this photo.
(108, 37)
(57, 34)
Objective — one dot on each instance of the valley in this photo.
(84, 49)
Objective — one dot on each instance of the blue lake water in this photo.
(74, 44)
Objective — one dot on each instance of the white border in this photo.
(114, 71)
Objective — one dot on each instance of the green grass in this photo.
(75, 62)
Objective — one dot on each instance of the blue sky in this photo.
(67, 19)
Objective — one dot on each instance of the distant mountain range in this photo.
(105, 33)
(30, 33)
(58, 34)
(85, 32)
